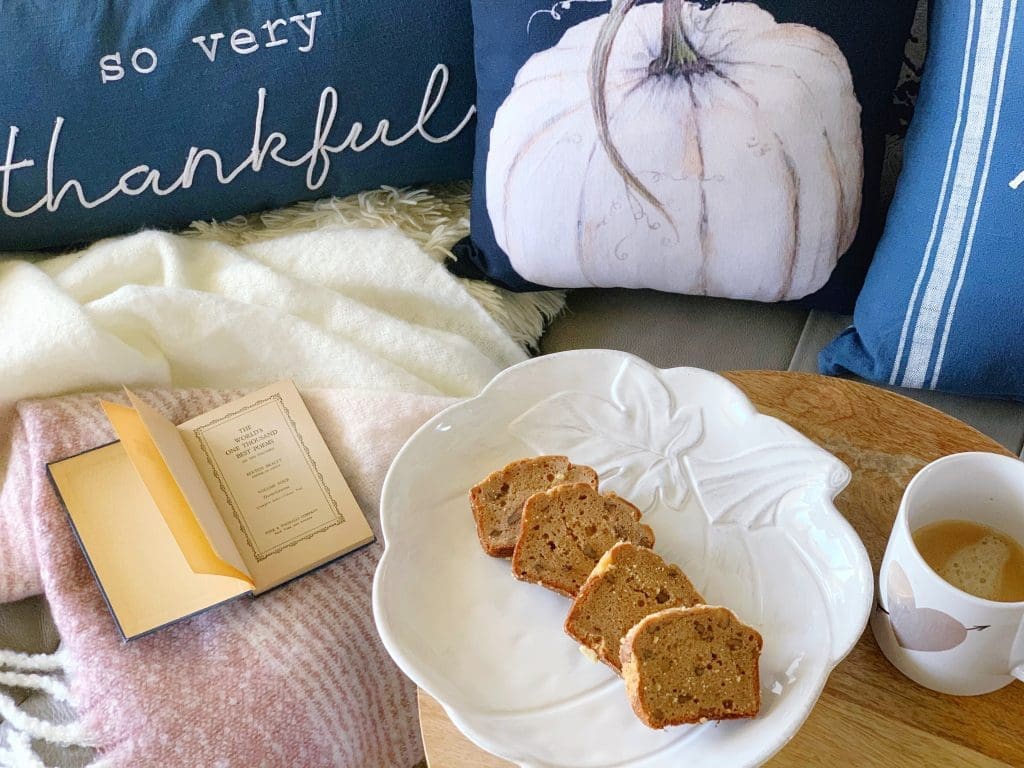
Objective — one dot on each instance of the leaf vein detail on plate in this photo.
(747, 489)
(638, 436)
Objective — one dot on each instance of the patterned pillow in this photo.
(722, 148)
(904, 99)
(121, 115)
(942, 302)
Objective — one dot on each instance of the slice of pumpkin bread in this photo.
(627, 584)
(498, 499)
(565, 531)
(690, 665)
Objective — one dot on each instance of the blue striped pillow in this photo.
(942, 305)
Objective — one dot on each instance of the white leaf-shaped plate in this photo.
(740, 500)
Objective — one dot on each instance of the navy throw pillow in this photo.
(721, 148)
(942, 304)
(116, 116)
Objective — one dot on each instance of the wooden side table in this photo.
(868, 714)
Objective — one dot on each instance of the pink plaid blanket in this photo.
(296, 677)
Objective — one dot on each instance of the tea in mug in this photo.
(975, 558)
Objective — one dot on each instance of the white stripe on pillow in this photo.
(968, 49)
(981, 193)
(979, 101)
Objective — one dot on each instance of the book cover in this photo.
(175, 519)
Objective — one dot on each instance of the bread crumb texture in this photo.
(629, 583)
(565, 531)
(498, 499)
(689, 665)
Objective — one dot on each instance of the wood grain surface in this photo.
(868, 714)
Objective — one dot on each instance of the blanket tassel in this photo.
(28, 671)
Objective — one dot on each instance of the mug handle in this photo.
(1018, 648)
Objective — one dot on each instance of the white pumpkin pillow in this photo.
(713, 148)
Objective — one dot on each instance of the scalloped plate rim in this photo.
(424, 678)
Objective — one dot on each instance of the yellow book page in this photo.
(166, 493)
(175, 455)
(135, 556)
(278, 489)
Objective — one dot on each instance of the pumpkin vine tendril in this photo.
(677, 58)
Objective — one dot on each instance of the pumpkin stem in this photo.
(677, 55)
(598, 83)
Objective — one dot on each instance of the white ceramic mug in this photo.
(937, 635)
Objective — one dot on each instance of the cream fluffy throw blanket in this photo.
(338, 293)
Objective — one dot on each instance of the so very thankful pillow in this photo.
(943, 302)
(721, 148)
(119, 115)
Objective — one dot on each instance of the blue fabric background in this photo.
(929, 274)
(378, 55)
(871, 33)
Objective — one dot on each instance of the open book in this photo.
(177, 519)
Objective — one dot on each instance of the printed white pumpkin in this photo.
(754, 152)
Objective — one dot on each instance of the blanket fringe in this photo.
(435, 218)
(27, 671)
(31, 662)
(18, 752)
